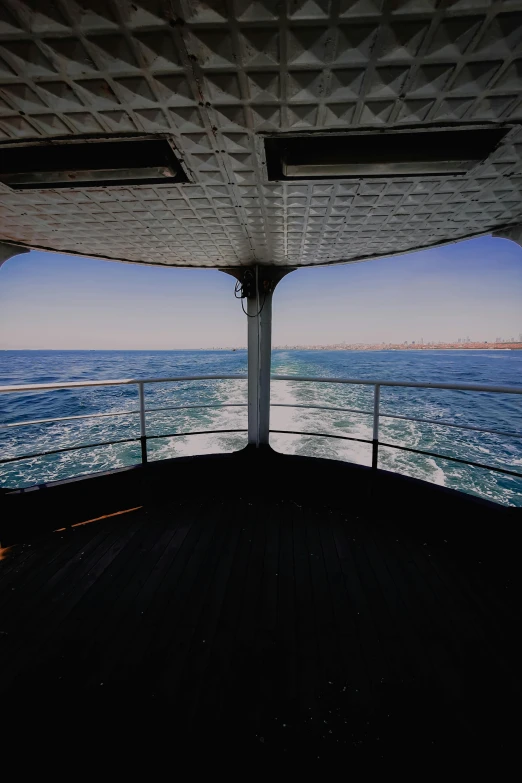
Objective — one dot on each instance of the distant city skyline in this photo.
(468, 289)
(459, 340)
(419, 345)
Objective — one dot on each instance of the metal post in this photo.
(143, 430)
(257, 286)
(265, 364)
(253, 372)
(259, 310)
(375, 441)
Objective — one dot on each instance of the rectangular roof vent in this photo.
(379, 154)
(90, 163)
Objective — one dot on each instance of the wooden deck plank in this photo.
(191, 654)
(248, 638)
(224, 677)
(273, 625)
(17, 557)
(187, 625)
(131, 651)
(286, 631)
(396, 606)
(64, 589)
(307, 642)
(476, 641)
(325, 627)
(421, 629)
(366, 592)
(118, 633)
(269, 664)
(67, 544)
(492, 603)
(366, 629)
(183, 618)
(102, 613)
(35, 588)
(470, 646)
(356, 669)
(176, 611)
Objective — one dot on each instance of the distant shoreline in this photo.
(390, 349)
(347, 348)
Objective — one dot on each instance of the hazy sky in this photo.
(473, 289)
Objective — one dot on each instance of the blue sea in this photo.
(495, 411)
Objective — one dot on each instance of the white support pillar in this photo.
(256, 284)
(259, 310)
(8, 251)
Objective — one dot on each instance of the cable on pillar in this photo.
(250, 287)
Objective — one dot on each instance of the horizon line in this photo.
(346, 346)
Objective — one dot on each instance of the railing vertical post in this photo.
(143, 429)
(375, 440)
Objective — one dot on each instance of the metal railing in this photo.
(141, 410)
(377, 415)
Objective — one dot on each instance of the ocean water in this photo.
(501, 412)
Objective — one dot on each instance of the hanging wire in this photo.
(258, 312)
(239, 293)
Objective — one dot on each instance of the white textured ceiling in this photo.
(214, 77)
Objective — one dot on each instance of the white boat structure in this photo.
(329, 609)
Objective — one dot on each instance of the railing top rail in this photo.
(32, 387)
(409, 384)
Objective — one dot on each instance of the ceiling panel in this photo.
(216, 77)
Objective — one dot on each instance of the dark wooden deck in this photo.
(273, 627)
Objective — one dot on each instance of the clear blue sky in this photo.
(472, 288)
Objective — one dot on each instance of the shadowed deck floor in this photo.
(289, 628)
